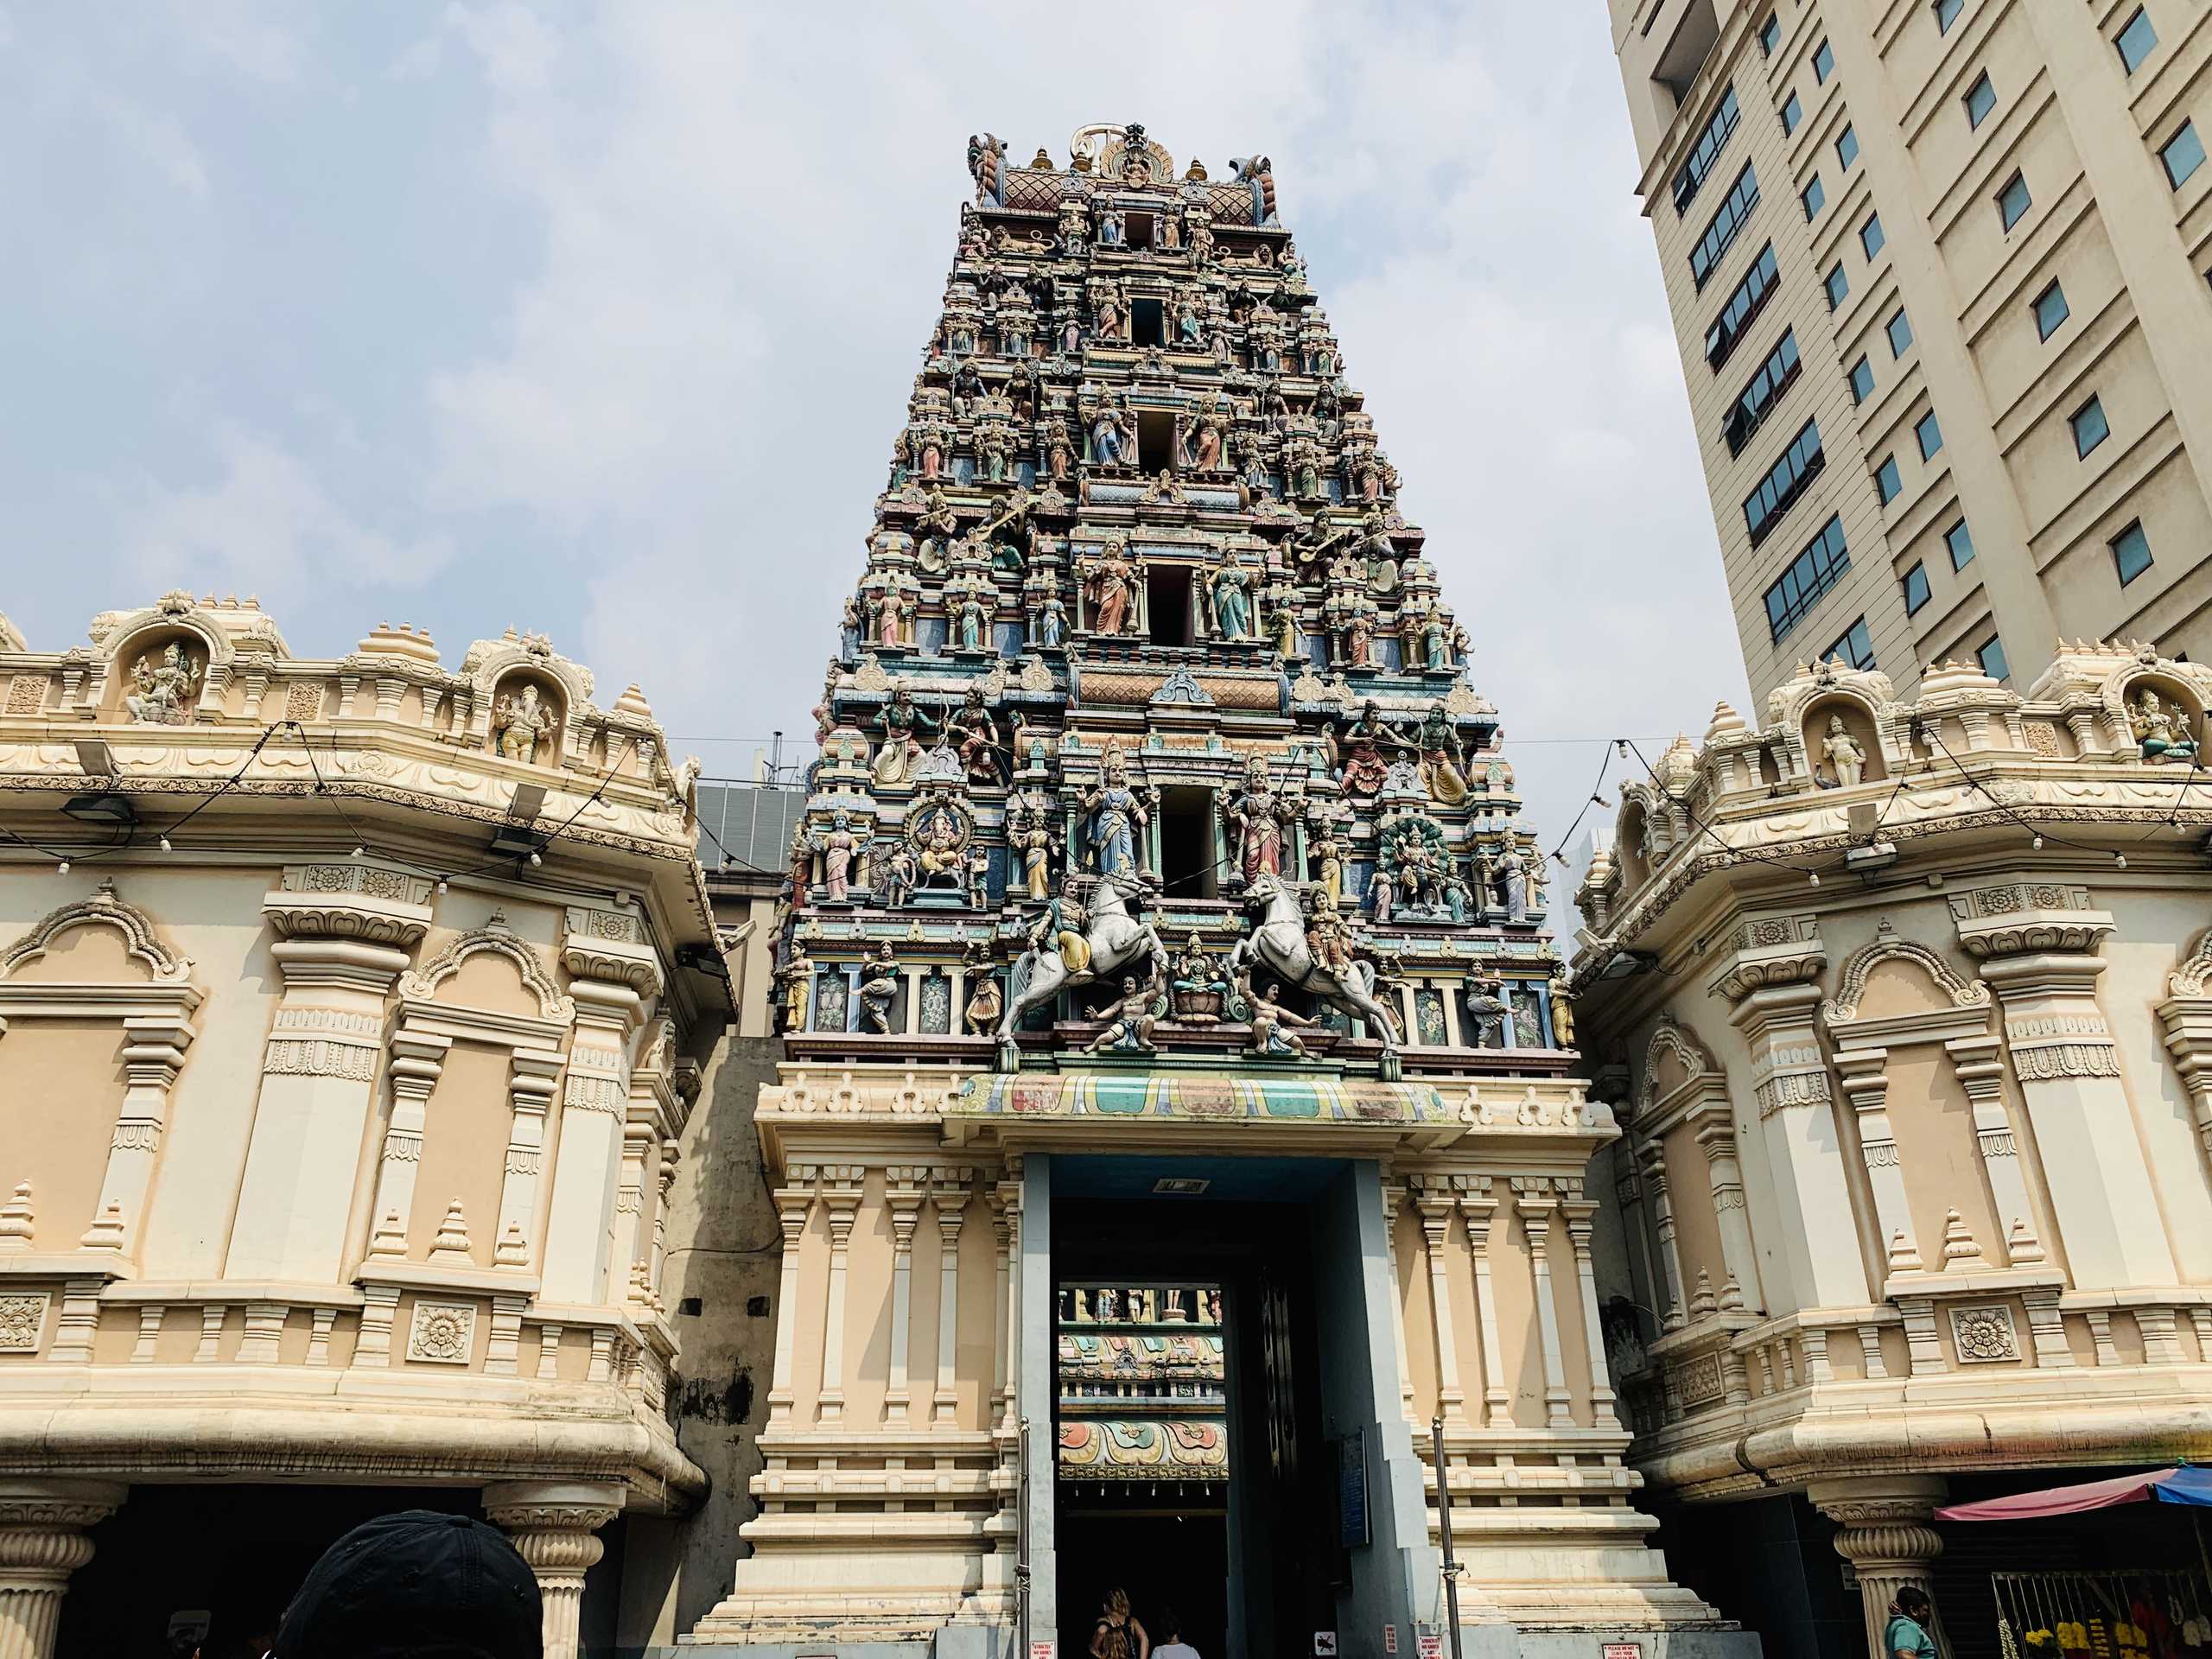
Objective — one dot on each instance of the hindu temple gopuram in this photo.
(1176, 1113)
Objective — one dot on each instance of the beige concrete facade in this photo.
(1904, 1008)
(1956, 203)
(351, 1016)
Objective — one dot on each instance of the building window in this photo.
(1871, 236)
(2184, 155)
(1706, 150)
(1960, 540)
(1888, 482)
(1838, 285)
(1727, 219)
(1792, 113)
(2050, 310)
(2012, 201)
(1991, 658)
(1770, 35)
(1862, 379)
(2131, 552)
(1766, 507)
(1930, 435)
(1900, 332)
(1847, 146)
(2136, 41)
(1981, 98)
(1750, 408)
(2090, 427)
(1823, 63)
(1947, 12)
(1814, 197)
(1810, 574)
(1855, 648)
(1747, 302)
(1915, 588)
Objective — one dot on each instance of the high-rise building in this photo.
(1939, 271)
(1174, 1118)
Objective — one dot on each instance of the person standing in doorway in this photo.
(1910, 1614)
(1118, 1636)
(1175, 1647)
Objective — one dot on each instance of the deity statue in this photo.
(1435, 643)
(940, 847)
(967, 388)
(1360, 632)
(1509, 874)
(797, 977)
(1111, 581)
(880, 990)
(1075, 227)
(935, 532)
(903, 725)
(1194, 974)
(987, 165)
(837, 845)
(1230, 585)
(926, 446)
(994, 448)
(975, 735)
(974, 618)
(1367, 747)
(894, 882)
(1282, 621)
(984, 1006)
(1190, 321)
(1487, 1011)
(1382, 891)
(1326, 854)
(1255, 814)
(1059, 927)
(1443, 762)
(1030, 836)
(1059, 451)
(1109, 312)
(1456, 898)
(519, 723)
(1842, 753)
(1052, 630)
(1271, 1037)
(1562, 1005)
(801, 857)
(894, 618)
(1111, 227)
(1112, 433)
(1117, 813)
(2161, 731)
(1130, 1023)
(1328, 935)
(1251, 459)
(979, 876)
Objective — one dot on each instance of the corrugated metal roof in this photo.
(746, 826)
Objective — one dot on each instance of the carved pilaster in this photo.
(793, 1206)
(1533, 1199)
(949, 1193)
(904, 1189)
(841, 1192)
(1436, 1202)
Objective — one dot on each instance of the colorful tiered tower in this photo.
(1156, 823)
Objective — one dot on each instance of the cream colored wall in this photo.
(61, 1088)
(464, 1145)
(2129, 250)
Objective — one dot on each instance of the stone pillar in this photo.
(345, 932)
(1865, 1074)
(1773, 995)
(950, 1193)
(1436, 1204)
(1477, 1205)
(1391, 1193)
(41, 1542)
(1674, 1312)
(580, 1213)
(2043, 964)
(1716, 1138)
(1533, 1199)
(843, 1194)
(903, 1192)
(552, 1523)
(1578, 1211)
(1883, 1532)
(793, 1206)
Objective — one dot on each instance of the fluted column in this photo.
(1883, 1532)
(1673, 1313)
(1578, 1211)
(1865, 1077)
(950, 1193)
(843, 1194)
(552, 1524)
(902, 1193)
(1436, 1204)
(1716, 1138)
(1533, 1199)
(41, 1542)
(793, 1204)
(1477, 1205)
(418, 1060)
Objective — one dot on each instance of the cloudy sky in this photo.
(599, 320)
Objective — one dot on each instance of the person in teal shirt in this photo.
(1907, 1637)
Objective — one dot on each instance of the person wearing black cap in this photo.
(416, 1585)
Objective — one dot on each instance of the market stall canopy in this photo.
(2186, 1484)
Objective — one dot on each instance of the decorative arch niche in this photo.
(147, 997)
(1682, 1112)
(1859, 723)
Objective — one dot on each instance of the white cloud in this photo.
(265, 525)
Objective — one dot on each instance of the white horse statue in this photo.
(1277, 944)
(1116, 939)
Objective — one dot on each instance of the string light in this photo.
(2038, 844)
(535, 860)
(442, 887)
(64, 868)
(1815, 878)
(356, 852)
(2120, 861)
(165, 845)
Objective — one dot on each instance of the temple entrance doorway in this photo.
(1192, 1467)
